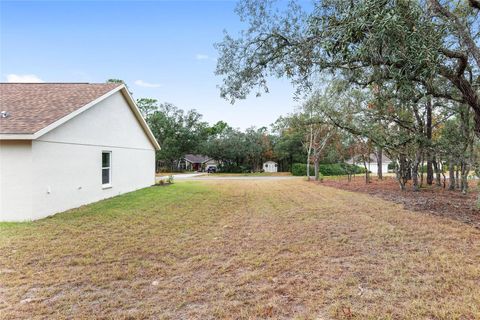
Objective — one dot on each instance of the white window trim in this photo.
(109, 184)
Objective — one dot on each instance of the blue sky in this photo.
(162, 49)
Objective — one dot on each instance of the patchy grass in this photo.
(252, 174)
(241, 249)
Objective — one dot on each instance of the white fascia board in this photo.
(16, 136)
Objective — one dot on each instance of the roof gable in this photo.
(36, 108)
(196, 158)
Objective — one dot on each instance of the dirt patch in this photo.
(431, 199)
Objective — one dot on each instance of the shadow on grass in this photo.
(143, 201)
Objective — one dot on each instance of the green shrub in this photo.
(334, 169)
(340, 169)
(227, 168)
(352, 169)
(300, 169)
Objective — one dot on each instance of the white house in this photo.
(270, 166)
(372, 163)
(66, 145)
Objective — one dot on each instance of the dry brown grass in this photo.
(252, 174)
(241, 249)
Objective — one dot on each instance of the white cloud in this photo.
(23, 78)
(200, 56)
(142, 83)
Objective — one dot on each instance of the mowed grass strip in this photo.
(240, 249)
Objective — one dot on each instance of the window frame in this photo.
(109, 167)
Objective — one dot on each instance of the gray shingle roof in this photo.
(34, 106)
(196, 158)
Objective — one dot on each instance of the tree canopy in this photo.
(408, 48)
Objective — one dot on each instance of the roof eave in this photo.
(17, 136)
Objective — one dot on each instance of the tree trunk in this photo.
(416, 186)
(457, 176)
(421, 172)
(451, 175)
(367, 173)
(401, 173)
(400, 179)
(428, 132)
(379, 163)
(429, 171)
(464, 176)
(438, 178)
(317, 171)
(416, 163)
(421, 176)
(309, 152)
(308, 169)
(408, 170)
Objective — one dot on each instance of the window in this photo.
(106, 168)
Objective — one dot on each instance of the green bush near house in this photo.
(334, 169)
(300, 169)
(353, 169)
(235, 169)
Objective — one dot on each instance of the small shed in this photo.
(270, 166)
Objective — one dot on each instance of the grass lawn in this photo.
(241, 249)
(252, 174)
(166, 174)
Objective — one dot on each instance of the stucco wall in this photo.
(65, 164)
(373, 167)
(211, 163)
(15, 180)
(68, 176)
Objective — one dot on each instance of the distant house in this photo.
(195, 162)
(372, 162)
(63, 145)
(270, 166)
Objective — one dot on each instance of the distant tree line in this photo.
(286, 141)
(182, 132)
